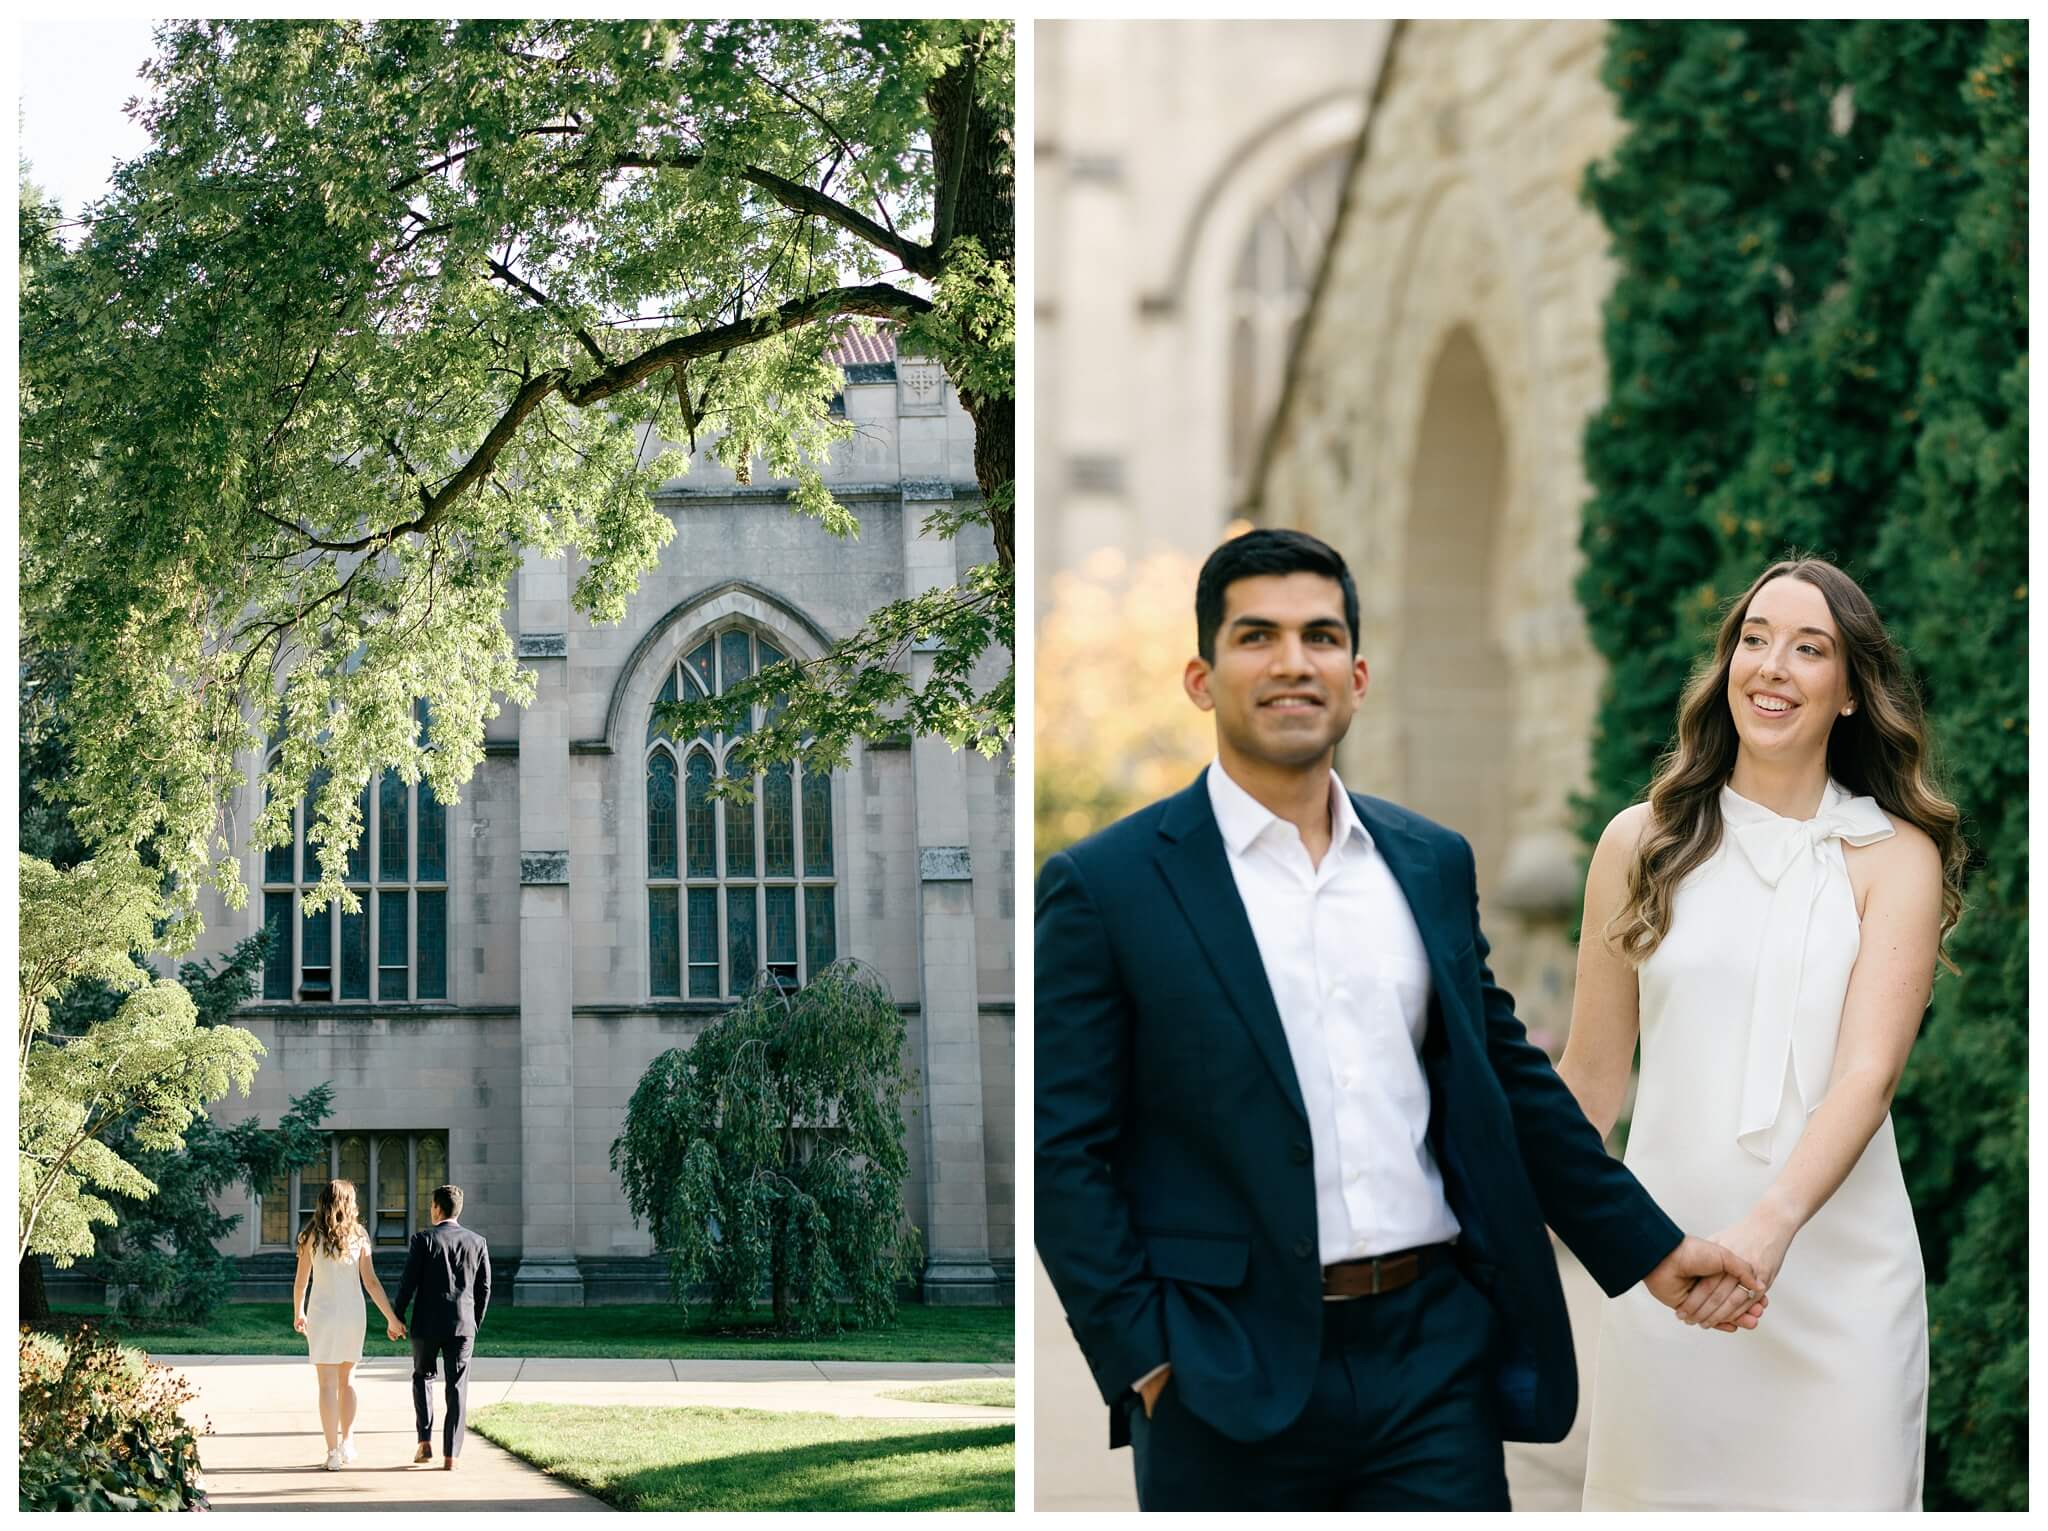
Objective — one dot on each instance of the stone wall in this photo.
(1432, 433)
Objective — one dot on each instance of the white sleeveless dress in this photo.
(335, 1309)
(1824, 1405)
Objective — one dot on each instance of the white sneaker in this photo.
(348, 1449)
(334, 1460)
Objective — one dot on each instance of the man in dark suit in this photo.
(1295, 1155)
(449, 1269)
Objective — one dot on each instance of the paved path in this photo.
(1075, 1470)
(264, 1451)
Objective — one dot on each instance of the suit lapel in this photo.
(1196, 866)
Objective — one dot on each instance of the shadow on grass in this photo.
(914, 1475)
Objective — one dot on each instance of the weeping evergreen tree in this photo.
(1817, 341)
(768, 1155)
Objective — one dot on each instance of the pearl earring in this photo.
(1849, 709)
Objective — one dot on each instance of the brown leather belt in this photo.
(1382, 1273)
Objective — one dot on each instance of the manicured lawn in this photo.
(746, 1459)
(652, 1331)
(980, 1392)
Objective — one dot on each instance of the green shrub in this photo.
(1817, 341)
(101, 1428)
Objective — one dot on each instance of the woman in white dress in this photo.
(1769, 923)
(334, 1259)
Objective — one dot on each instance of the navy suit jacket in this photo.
(448, 1268)
(1176, 1208)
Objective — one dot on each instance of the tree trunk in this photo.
(975, 163)
(35, 1301)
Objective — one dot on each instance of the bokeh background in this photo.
(1560, 331)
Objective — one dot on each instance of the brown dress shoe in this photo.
(425, 1453)
(449, 1464)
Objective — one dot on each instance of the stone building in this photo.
(585, 906)
(1186, 174)
(1430, 428)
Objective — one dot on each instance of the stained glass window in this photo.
(821, 942)
(394, 940)
(741, 900)
(392, 862)
(355, 953)
(661, 815)
(778, 824)
(277, 1209)
(739, 838)
(742, 959)
(781, 942)
(735, 650)
(817, 824)
(394, 1174)
(662, 909)
(393, 946)
(703, 853)
(389, 1229)
(430, 1172)
(433, 963)
(703, 943)
(309, 855)
(668, 694)
(357, 863)
(277, 967)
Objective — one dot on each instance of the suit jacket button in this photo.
(1300, 1152)
(1303, 1248)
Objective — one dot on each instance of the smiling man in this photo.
(1294, 1153)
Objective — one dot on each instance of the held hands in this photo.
(1758, 1239)
(1711, 1285)
(394, 1330)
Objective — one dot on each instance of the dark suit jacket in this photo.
(1176, 1191)
(449, 1269)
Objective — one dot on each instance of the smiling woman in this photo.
(1768, 925)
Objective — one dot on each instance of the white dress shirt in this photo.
(1350, 978)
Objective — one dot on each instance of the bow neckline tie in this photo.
(1797, 859)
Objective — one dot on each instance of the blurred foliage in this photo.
(1115, 731)
(1818, 341)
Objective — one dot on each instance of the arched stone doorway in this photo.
(1452, 675)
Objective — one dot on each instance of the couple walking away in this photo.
(448, 1272)
(1296, 1155)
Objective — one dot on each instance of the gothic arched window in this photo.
(1269, 291)
(399, 872)
(733, 889)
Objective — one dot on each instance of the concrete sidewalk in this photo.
(265, 1450)
(1076, 1470)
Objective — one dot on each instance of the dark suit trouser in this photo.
(450, 1357)
(1400, 1418)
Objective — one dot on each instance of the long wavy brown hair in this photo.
(1880, 750)
(336, 1229)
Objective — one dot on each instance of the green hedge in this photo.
(1817, 341)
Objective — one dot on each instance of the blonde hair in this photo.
(336, 1228)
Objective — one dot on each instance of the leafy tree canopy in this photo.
(389, 305)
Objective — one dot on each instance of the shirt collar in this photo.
(1243, 818)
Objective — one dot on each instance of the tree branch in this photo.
(923, 260)
(499, 269)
